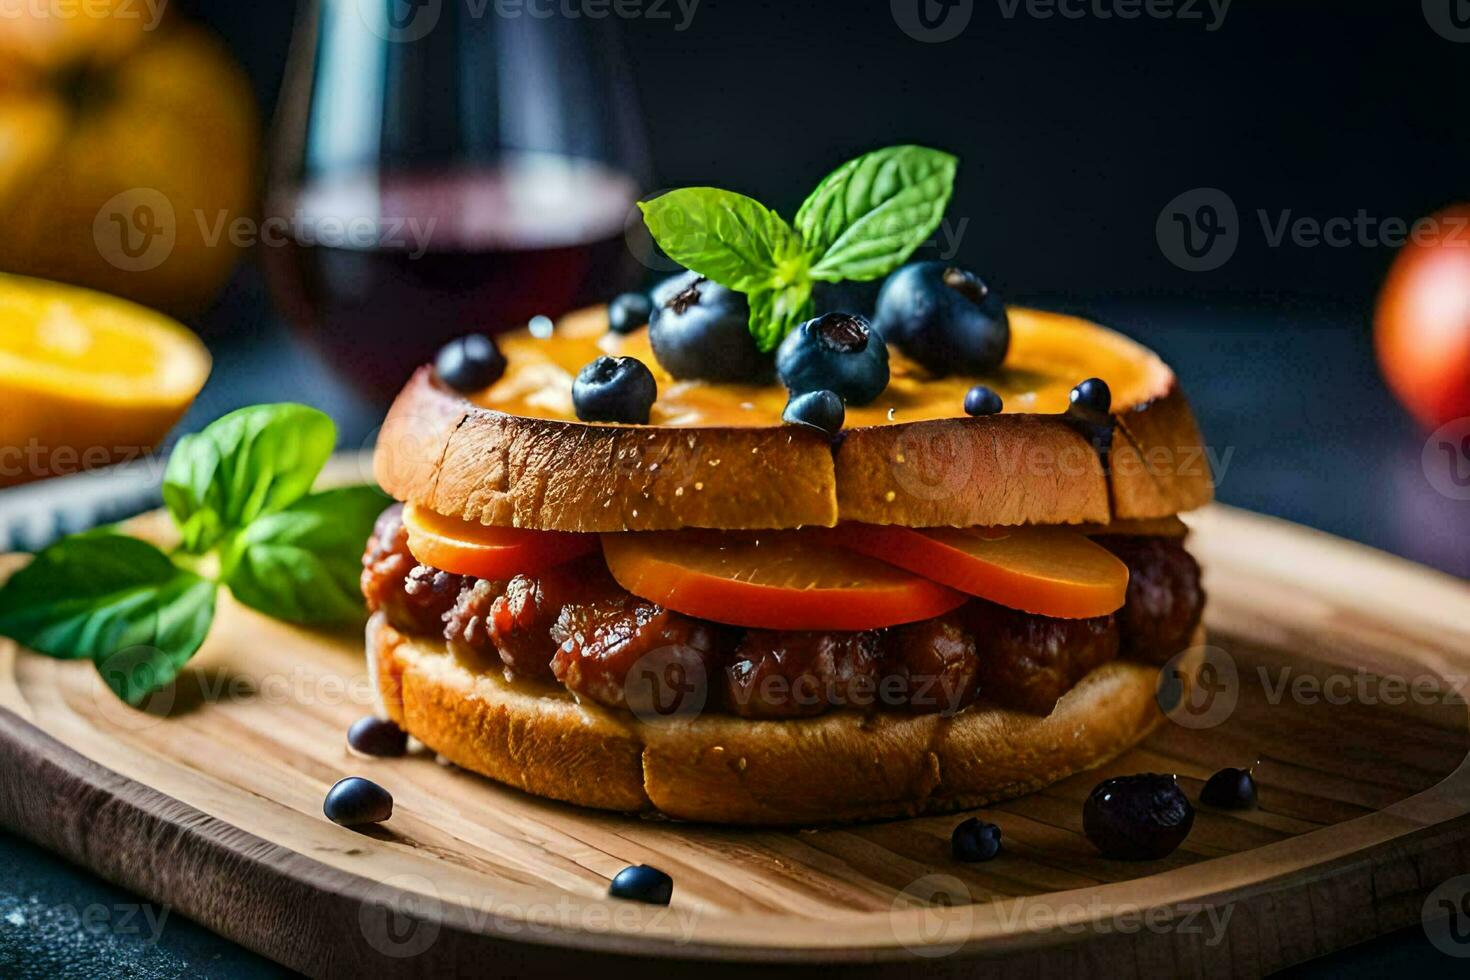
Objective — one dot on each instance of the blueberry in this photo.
(838, 352)
(701, 330)
(470, 364)
(980, 400)
(355, 801)
(1230, 789)
(1091, 400)
(945, 318)
(818, 409)
(641, 883)
(975, 841)
(628, 312)
(614, 389)
(377, 736)
(1137, 818)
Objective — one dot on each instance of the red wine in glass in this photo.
(378, 272)
(467, 171)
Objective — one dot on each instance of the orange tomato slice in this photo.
(1050, 571)
(784, 580)
(469, 548)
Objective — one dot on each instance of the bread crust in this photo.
(841, 766)
(441, 451)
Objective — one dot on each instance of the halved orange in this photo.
(87, 379)
(782, 580)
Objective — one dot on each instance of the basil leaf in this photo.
(302, 564)
(255, 461)
(869, 215)
(734, 240)
(775, 312)
(105, 597)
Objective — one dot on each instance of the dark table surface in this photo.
(1297, 420)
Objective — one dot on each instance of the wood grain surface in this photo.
(1334, 670)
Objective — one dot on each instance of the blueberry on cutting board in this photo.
(1137, 818)
(641, 883)
(357, 802)
(1230, 789)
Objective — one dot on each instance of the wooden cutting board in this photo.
(213, 806)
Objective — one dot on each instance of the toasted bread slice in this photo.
(844, 765)
(719, 457)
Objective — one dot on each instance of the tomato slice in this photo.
(786, 580)
(1050, 571)
(469, 548)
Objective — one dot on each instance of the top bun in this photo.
(718, 456)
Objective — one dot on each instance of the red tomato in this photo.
(784, 580)
(1422, 326)
(1050, 571)
(470, 548)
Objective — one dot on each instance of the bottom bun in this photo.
(843, 765)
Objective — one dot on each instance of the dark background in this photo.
(1073, 135)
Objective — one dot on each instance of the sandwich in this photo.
(666, 558)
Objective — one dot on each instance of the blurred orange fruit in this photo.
(1422, 326)
(87, 379)
(126, 145)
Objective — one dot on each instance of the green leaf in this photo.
(734, 240)
(254, 461)
(302, 564)
(114, 599)
(869, 215)
(774, 312)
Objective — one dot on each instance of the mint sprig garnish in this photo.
(239, 493)
(862, 222)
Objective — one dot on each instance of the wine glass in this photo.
(441, 167)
